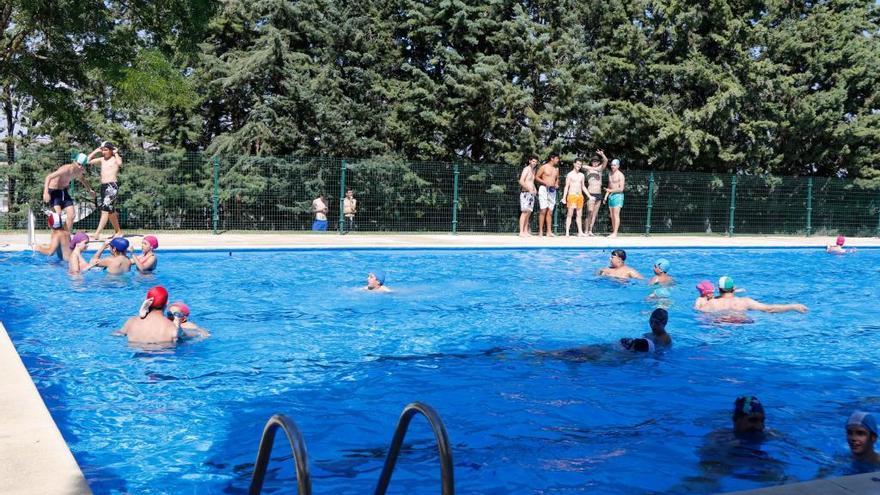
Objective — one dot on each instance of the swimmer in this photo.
(658, 320)
(150, 325)
(728, 301)
(147, 261)
(59, 242)
(837, 247)
(189, 329)
(861, 435)
(376, 282)
(637, 345)
(748, 418)
(117, 262)
(707, 293)
(661, 273)
(618, 268)
(77, 263)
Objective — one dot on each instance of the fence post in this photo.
(732, 204)
(809, 207)
(216, 196)
(455, 199)
(650, 204)
(342, 198)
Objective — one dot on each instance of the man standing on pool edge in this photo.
(614, 195)
(110, 162)
(548, 177)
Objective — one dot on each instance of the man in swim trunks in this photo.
(594, 173)
(707, 293)
(574, 197)
(117, 262)
(59, 242)
(728, 301)
(180, 311)
(151, 326)
(861, 435)
(614, 195)
(55, 188)
(617, 267)
(661, 277)
(110, 162)
(147, 261)
(349, 209)
(548, 177)
(527, 194)
(319, 206)
(376, 281)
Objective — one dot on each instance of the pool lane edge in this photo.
(34, 458)
(857, 484)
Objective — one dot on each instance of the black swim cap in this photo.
(659, 318)
(620, 253)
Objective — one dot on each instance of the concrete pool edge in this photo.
(34, 458)
(859, 484)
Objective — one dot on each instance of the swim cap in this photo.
(706, 288)
(662, 264)
(380, 276)
(119, 244)
(746, 406)
(82, 159)
(78, 238)
(54, 220)
(620, 253)
(152, 241)
(841, 240)
(615, 163)
(725, 284)
(159, 296)
(180, 305)
(637, 345)
(860, 418)
(659, 318)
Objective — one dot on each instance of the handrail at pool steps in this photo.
(300, 457)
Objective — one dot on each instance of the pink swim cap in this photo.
(183, 307)
(152, 241)
(78, 238)
(706, 288)
(841, 240)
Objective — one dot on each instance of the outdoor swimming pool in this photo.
(291, 334)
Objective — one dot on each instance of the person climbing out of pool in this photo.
(728, 301)
(117, 262)
(617, 267)
(147, 260)
(77, 263)
(376, 281)
(189, 329)
(838, 247)
(661, 273)
(59, 240)
(861, 435)
(56, 187)
(707, 293)
(151, 326)
(658, 320)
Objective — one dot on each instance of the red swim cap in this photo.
(841, 240)
(159, 295)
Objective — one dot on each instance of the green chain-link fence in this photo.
(192, 192)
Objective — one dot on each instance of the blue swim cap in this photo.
(860, 418)
(119, 244)
(662, 264)
(380, 276)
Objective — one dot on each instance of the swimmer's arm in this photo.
(634, 274)
(96, 259)
(136, 260)
(776, 308)
(85, 182)
(195, 332)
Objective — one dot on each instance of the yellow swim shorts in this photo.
(574, 201)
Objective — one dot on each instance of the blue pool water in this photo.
(462, 332)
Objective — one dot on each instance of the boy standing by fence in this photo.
(110, 162)
(527, 195)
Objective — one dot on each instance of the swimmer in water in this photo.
(180, 311)
(838, 247)
(661, 273)
(861, 435)
(150, 325)
(376, 281)
(147, 260)
(117, 262)
(658, 320)
(617, 267)
(59, 242)
(728, 301)
(707, 293)
(77, 263)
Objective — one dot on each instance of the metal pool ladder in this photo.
(300, 457)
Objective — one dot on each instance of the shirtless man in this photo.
(728, 301)
(151, 326)
(117, 262)
(548, 177)
(594, 188)
(618, 268)
(614, 195)
(319, 206)
(59, 242)
(147, 260)
(110, 162)
(527, 194)
(349, 209)
(55, 188)
(574, 192)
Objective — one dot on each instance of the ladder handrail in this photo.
(447, 483)
(297, 446)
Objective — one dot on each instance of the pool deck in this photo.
(35, 459)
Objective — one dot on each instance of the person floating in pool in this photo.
(707, 293)
(656, 339)
(180, 311)
(661, 273)
(77, 263)
(617, 267)
(147, 260)
(376, 281)
(59, 240)
(117, 262)
(838, 247)
(151, 326)
(728, 301)
(861, 435)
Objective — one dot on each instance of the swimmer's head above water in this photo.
(157, 298)
(119, 244)
(78, 238)
(725, 284)
(151, 242)
(748, 415)
(637, 345)
(375, 279)
(659, 319)
(178, 310)
(618, 258)
(841, 240)
(706, 288)
(661, 266)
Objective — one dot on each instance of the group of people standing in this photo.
(583, 186)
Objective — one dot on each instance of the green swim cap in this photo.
(725, 283)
